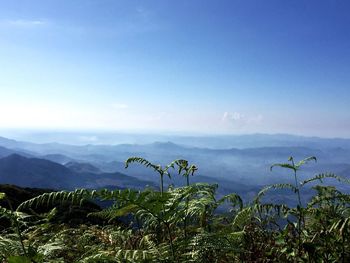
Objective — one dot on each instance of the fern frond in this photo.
(210, 247)
(10, 246)
(51, 248)
(143, 161)
(156, 167)
(319, 177)
(283, 165)
(134, 255)
(100, 256)
(267, 208)
(233, 198)
(49, 199)
(274, 186)
(183, 165)
(242, 218)
(306, 160)
(334, 198)
(341, 225)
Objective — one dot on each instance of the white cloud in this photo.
(23, 23)
(237, 119)
(234, 116)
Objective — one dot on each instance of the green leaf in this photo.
(280, 241)
(18, 259)
(319, 177)
(306, 160)
(274, 186)
(284, 165)
(233, 198)
(126, 210)
(242, 217)
(2, 195)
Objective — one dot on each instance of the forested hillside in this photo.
(178, 224)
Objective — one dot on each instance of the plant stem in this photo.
(170, 241)
(300, 211)
(18, 231)
(187, 201)
(161, 184)
(297, 188)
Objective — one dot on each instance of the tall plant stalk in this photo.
(187, 170)
(295, 167)
(156, 167)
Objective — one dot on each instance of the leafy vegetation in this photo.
(180, 224)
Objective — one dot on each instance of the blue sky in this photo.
(181, 66)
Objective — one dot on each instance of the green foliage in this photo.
(183, 224)
(156, 167)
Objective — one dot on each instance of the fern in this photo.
(156, 167)
(9, 246)
(234, 200)
(184, 224)
(214, 247)
(274, 186)
(48, 199)
(185, 169)
(322, 176)
(242, 218)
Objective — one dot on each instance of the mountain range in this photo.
(41, 173)
(62, 166)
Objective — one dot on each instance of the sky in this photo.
(186, 66)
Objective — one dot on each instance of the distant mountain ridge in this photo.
(213, 142)
(6, 152)
(99, 165)
(35, 172)
(201, 141)
(82, 167)
(57, 158)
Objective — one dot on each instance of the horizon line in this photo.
(162, 133)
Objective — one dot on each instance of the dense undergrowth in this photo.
(179, 224)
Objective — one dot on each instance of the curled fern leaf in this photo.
(319, 177)
(306, 160)
(283, 165)
(233, 198)
(48, 199)
(274, 186)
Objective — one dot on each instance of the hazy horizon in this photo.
(184, 67)
(112, 137)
